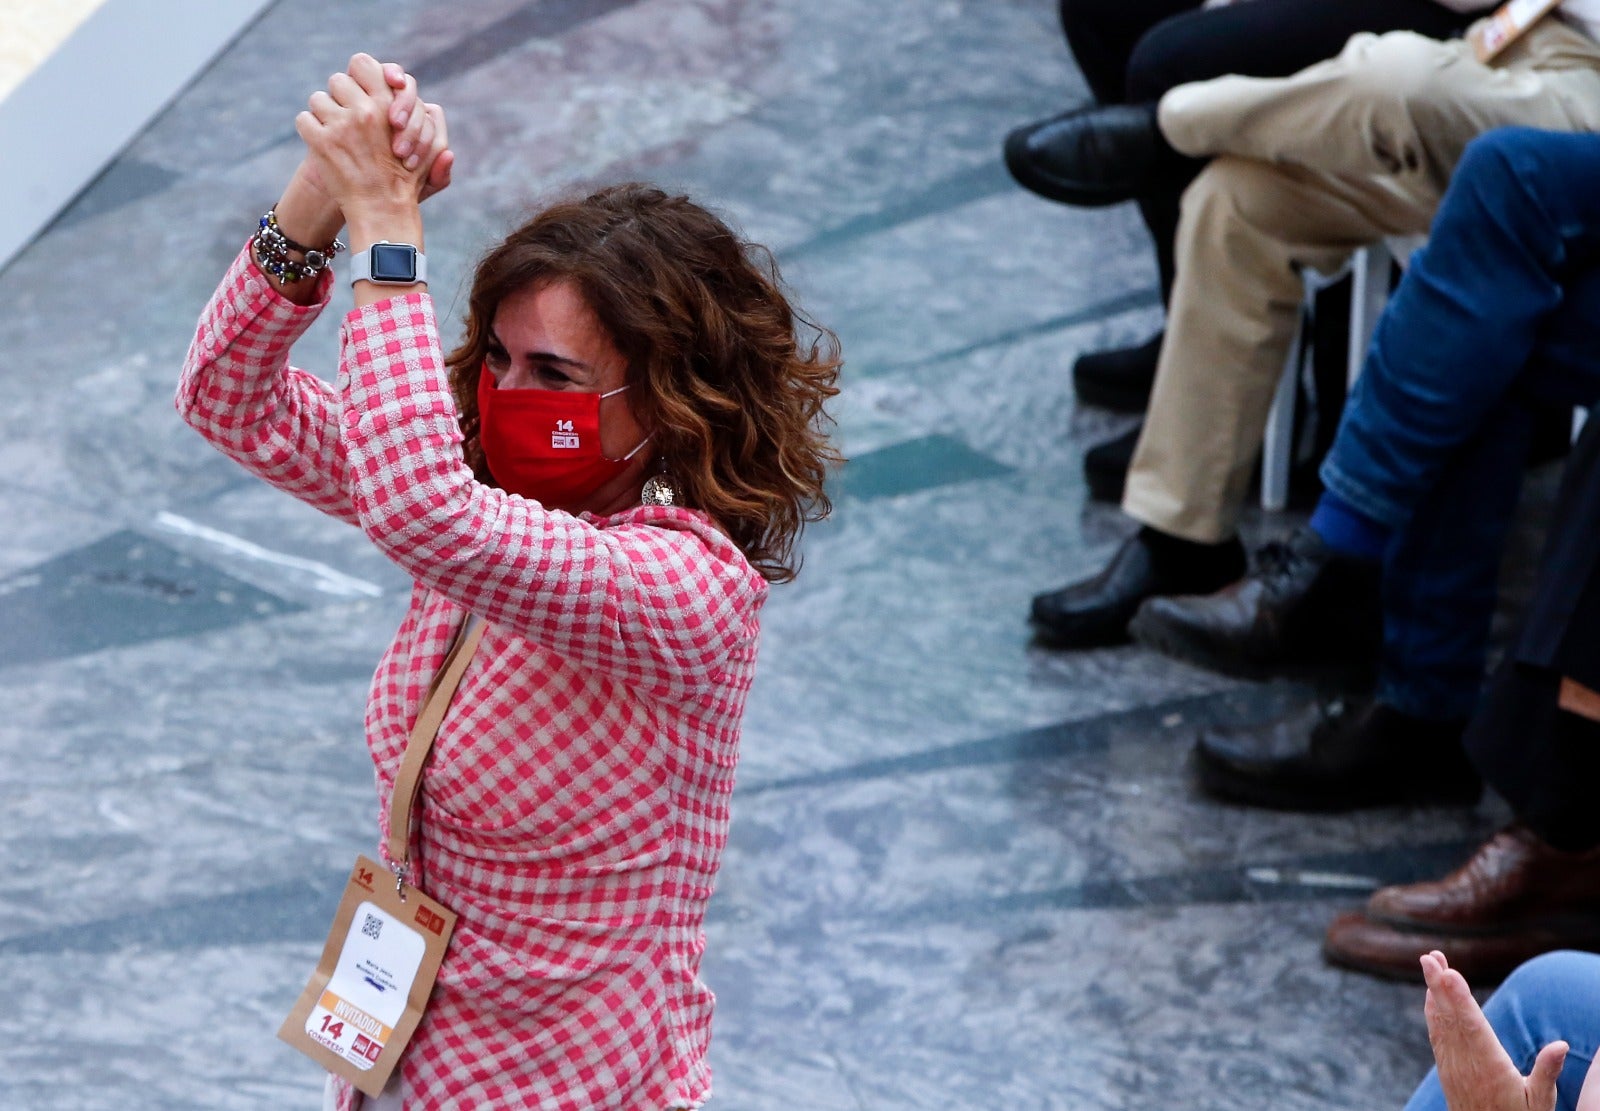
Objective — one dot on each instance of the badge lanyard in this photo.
(408, 780)
(369, 990)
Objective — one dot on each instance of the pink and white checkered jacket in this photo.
(576, 806)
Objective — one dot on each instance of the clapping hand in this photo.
(1474, 1069)
(372, 144)
(399, 136)
(419, 136)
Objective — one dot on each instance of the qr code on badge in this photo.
(372, 927)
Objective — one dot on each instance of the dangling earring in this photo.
(658, 488)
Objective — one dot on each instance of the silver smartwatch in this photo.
(386, 263)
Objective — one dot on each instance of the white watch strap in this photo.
(361, 268)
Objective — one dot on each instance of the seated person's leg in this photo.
(1553, 998)
(1397, 105)
(1544, 759)
(1112, 153)
(1438, 592)
(1427, 392)
(1459, 334)
(1246, 228)
(1441, 573)
(1248, 231)
(1536, 737)
(1535, 886)
(1102, 35)
(1465, 323)
(1274, 38)
(1267, 38)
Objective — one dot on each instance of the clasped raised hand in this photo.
(372, 143)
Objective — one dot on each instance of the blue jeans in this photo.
(1500, 310)
(1552, 998)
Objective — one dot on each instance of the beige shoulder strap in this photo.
(408, 783)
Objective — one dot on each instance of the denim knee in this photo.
(1489, 156)
(1551, 997)
(1556, 971)
(1507, 162)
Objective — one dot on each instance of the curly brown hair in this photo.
(721, 376)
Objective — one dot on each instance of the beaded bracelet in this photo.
(273, 247)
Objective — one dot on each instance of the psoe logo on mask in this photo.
(563, 436)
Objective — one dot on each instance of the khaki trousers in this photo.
(1305, 170)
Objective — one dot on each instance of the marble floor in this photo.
(965, 872)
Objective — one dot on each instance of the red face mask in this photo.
(545, 444)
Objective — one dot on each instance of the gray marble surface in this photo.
(965, 872)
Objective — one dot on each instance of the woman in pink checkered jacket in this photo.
(609, 469)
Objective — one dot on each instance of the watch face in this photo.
(394, 262)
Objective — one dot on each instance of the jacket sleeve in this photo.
(660, 599)
(240, 393)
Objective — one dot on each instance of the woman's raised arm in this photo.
(238, 389)
(308, 214)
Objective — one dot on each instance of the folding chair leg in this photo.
(1369, 292)
(1277, 446)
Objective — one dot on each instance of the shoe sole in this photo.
(1574, 931)
(1051, 189)
(1482, 968)
(1178, 645)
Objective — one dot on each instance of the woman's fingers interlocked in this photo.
(423, 142)
(322, 106)
(440, 159)
(344, 90)
(405, 118)
(367, 72)
(419, 139)
(371, 137)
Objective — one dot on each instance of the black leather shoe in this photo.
(1358, 754)
(1096, 610)
(1119, 379)
(1301, 606)
(1105, 466)
(1103, 154)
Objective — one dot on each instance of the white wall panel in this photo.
(71, 116)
